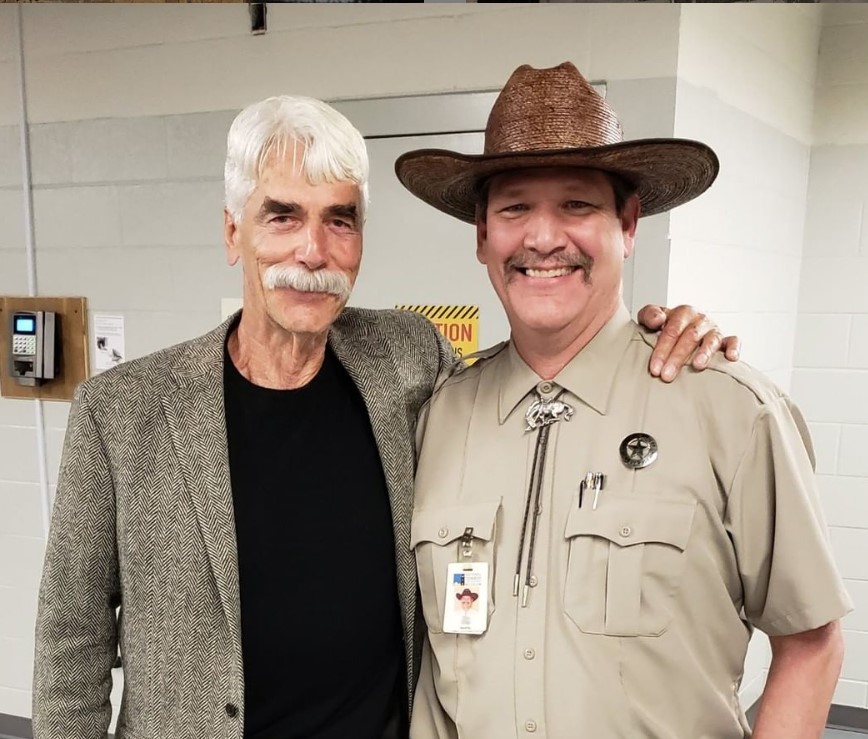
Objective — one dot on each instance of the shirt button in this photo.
(545, 388)
(533, 581)
(530, 726)
(443, 533)
(231, 710)
(529, 654)
(625, 531)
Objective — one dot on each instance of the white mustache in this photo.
(307, 281)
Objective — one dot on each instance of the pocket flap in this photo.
(445, 525)
(627, 520)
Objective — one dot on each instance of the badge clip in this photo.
(467, 543)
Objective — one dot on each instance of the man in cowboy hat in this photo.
(632, 541)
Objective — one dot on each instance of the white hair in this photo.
(333, 149)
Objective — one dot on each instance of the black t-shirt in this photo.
(320, 625)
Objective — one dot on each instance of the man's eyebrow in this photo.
(345, 210)
(277, 207)
(516, 190)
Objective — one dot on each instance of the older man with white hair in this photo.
(215, 488)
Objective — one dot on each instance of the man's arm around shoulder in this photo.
(76, 628)
(801, 682)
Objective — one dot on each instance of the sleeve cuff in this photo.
(812, 617)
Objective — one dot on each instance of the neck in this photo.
(271, 357)
(548, 353)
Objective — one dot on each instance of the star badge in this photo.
(638, 451)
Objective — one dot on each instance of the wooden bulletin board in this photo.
(72, 346)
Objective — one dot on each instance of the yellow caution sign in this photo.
(458, 323)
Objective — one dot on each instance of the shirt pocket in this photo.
(626, 561)
(435, 538)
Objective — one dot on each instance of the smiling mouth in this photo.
(547, 273)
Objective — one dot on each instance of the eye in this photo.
(281, 220)
(577, 205)
(513, 208)
(343, 225)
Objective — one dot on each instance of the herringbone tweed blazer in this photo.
(143, 519)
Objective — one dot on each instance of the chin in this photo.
(544, 322)
(307, 322)
(307, 317)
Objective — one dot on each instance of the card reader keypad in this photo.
(23, 344)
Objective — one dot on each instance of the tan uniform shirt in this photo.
(640, 613)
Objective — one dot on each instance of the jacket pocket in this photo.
(626, 561)
(435, 537)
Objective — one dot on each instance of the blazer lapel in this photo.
(194, 409)
(375, 375)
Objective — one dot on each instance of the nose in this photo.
(545, 233)
(312, 253)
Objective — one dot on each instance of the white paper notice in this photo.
(108, 333)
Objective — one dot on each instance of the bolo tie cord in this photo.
(534, 491)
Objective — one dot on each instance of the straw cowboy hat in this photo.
(552, 118)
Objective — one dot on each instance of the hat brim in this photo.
(665, 172)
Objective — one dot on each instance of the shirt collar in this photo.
(588, 376)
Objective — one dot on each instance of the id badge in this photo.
(466, 608)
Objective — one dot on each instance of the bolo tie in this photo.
(542, 414)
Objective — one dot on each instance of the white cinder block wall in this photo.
(746, 87)
(830, 375)
(128, 109)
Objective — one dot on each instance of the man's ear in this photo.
(230, 239)
(481, 239)
(629, 221)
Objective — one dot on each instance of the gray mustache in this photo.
(304, 280)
